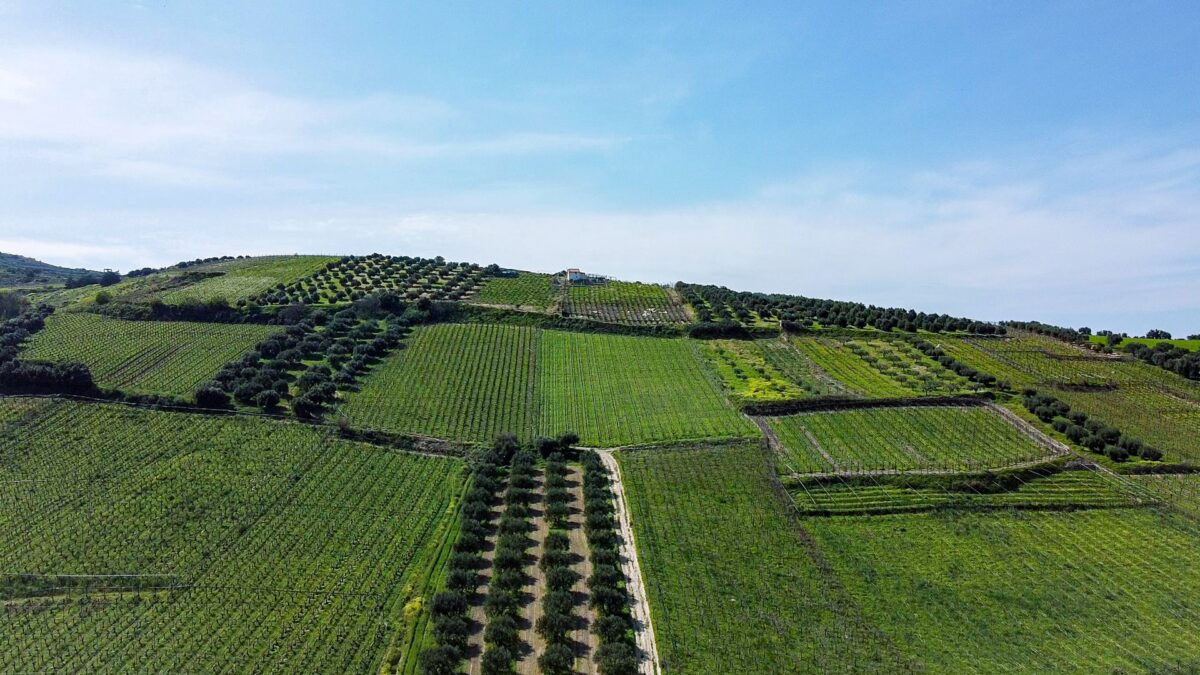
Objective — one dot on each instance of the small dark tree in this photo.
(211, 396)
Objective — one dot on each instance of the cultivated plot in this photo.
(160, 357)
(148, 541)
(617, 390)
(1026, 591)
(243, 279)
(923, 438)
(527, 291)
(625, 302)
(464, 382)
(735, 585)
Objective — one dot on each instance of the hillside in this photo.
(396, 464)
(18, 270)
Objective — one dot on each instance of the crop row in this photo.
(354, 277)
(284, 548)
(902, 439)
(527, 291)
(625, 302)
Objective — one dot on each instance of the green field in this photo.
(1114, 591)
(470, 382)
(465, 382)
(735, 584)
(243, 279)
(192, 543)
(1046, 490)
(747, 374)
(625, 302)
(903, 439)
(858, 377)
(159, 357)
(528, 291)
(617, 390)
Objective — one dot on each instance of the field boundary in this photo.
(830, 404)
(640, 607)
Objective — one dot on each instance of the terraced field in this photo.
(1052, 491)
(244, 279)
(1024, 591)
(734, 583)
(617, 390)
(160, 357)
(200, 543)
(466, 382)
(932, 438)
(625, 302)
(527, 291)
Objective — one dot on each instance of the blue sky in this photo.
(996, 160)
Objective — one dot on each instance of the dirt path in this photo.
(1029, 430)
(586, 642)
(535, 645)
(478, 618)
(643, 626)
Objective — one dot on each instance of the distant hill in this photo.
(17, 270)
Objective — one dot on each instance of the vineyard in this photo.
(734, 583)
(616, 390)
(354, 277)
(244, 279)
(625, 302)
(747, 374)
(197, 543)
(845, 366)
(467, 382)
(470, 382)
(527, 291)
(932, 438)
(1023, 591)
(160, 357)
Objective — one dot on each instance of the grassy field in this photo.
(160, 357)
(626, 302)
(618, 390)
(747, 374)
(466, 382)
(858, 377)
(1045, 489)
(149, 541)
(528, 291)
(735, 585)
(1161, 418)
(1075, 592)
(470, 382)
(243, 279)
(902, 439)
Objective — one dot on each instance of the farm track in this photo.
(640, 606)
(586, 641)
(534, 644)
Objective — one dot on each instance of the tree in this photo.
(1158, 334)
(557, 659)
(267, 399)
(440, 661)
(211, 396)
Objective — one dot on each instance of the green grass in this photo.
(734, 583)
(1181, 491)
(626, 302)
(161, 357)
(619, 390)
(1191, 345)
(1166, 421)
(1054, 490)
(465, 382)
(259, 545)
(470, 382)
(528, 291)
(1024, 591)
(746, 373)
(243, 279)
(837, 360)
(902, 439)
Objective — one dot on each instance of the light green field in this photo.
(470, 382)
(619, 390)
(1113, 591)
(160, 357)
(237, 543)
(528, 291)
(902, 439)
(245, 278)
(735, 585)
(746, 373)
(626, 302)
(465, 382)
(856, 375)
